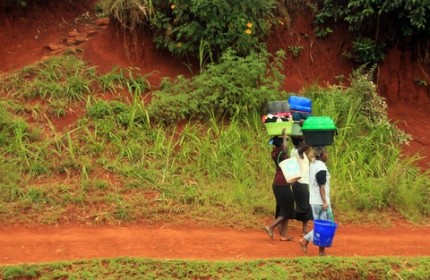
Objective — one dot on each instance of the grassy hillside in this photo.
(122, 160)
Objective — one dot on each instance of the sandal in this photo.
(269, 232)
(287, 238)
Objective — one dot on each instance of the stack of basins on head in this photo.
(295, 115)
(289, 114)
(278, 117)
(301, 109)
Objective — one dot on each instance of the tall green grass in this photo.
(369, 173)
(120, 162)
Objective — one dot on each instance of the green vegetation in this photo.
(365, 158)
(174, 150)
(197, 29)
(204, 29)
(367, 52)
(59, 78)
(236, 86)
(374, 17)
(378, 25)
(171, 164)
(295, 50)
(298, 268)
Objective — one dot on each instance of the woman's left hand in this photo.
(325, 207)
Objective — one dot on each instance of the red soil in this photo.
(31, 36)
(44, 244)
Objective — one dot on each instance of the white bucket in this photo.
(291, 170)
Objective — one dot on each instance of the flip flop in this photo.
(287, 238)
(269, 232)
(304, 245)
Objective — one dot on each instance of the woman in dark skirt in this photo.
(281, 190)
(303, 210)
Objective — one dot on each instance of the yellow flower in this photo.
(249, 24)
(172, 6)
(248, 31)
(179, 44)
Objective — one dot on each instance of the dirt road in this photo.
(48, 243)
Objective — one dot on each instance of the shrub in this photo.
(184, 26)
(236, 85)
(367, 52)
(374, 18)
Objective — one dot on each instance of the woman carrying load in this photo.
(282, 190)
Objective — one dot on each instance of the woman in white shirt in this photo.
(303, 210)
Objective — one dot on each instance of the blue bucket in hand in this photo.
(324, 232)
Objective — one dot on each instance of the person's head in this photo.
(277, 141)
(320, 153)
(297, 141)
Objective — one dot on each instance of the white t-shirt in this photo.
(314, 189)
(303, 164)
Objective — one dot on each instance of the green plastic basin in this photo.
(318, 123)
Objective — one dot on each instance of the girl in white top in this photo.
(319, 188)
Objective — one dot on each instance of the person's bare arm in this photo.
(323, 197)
(284, 142)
